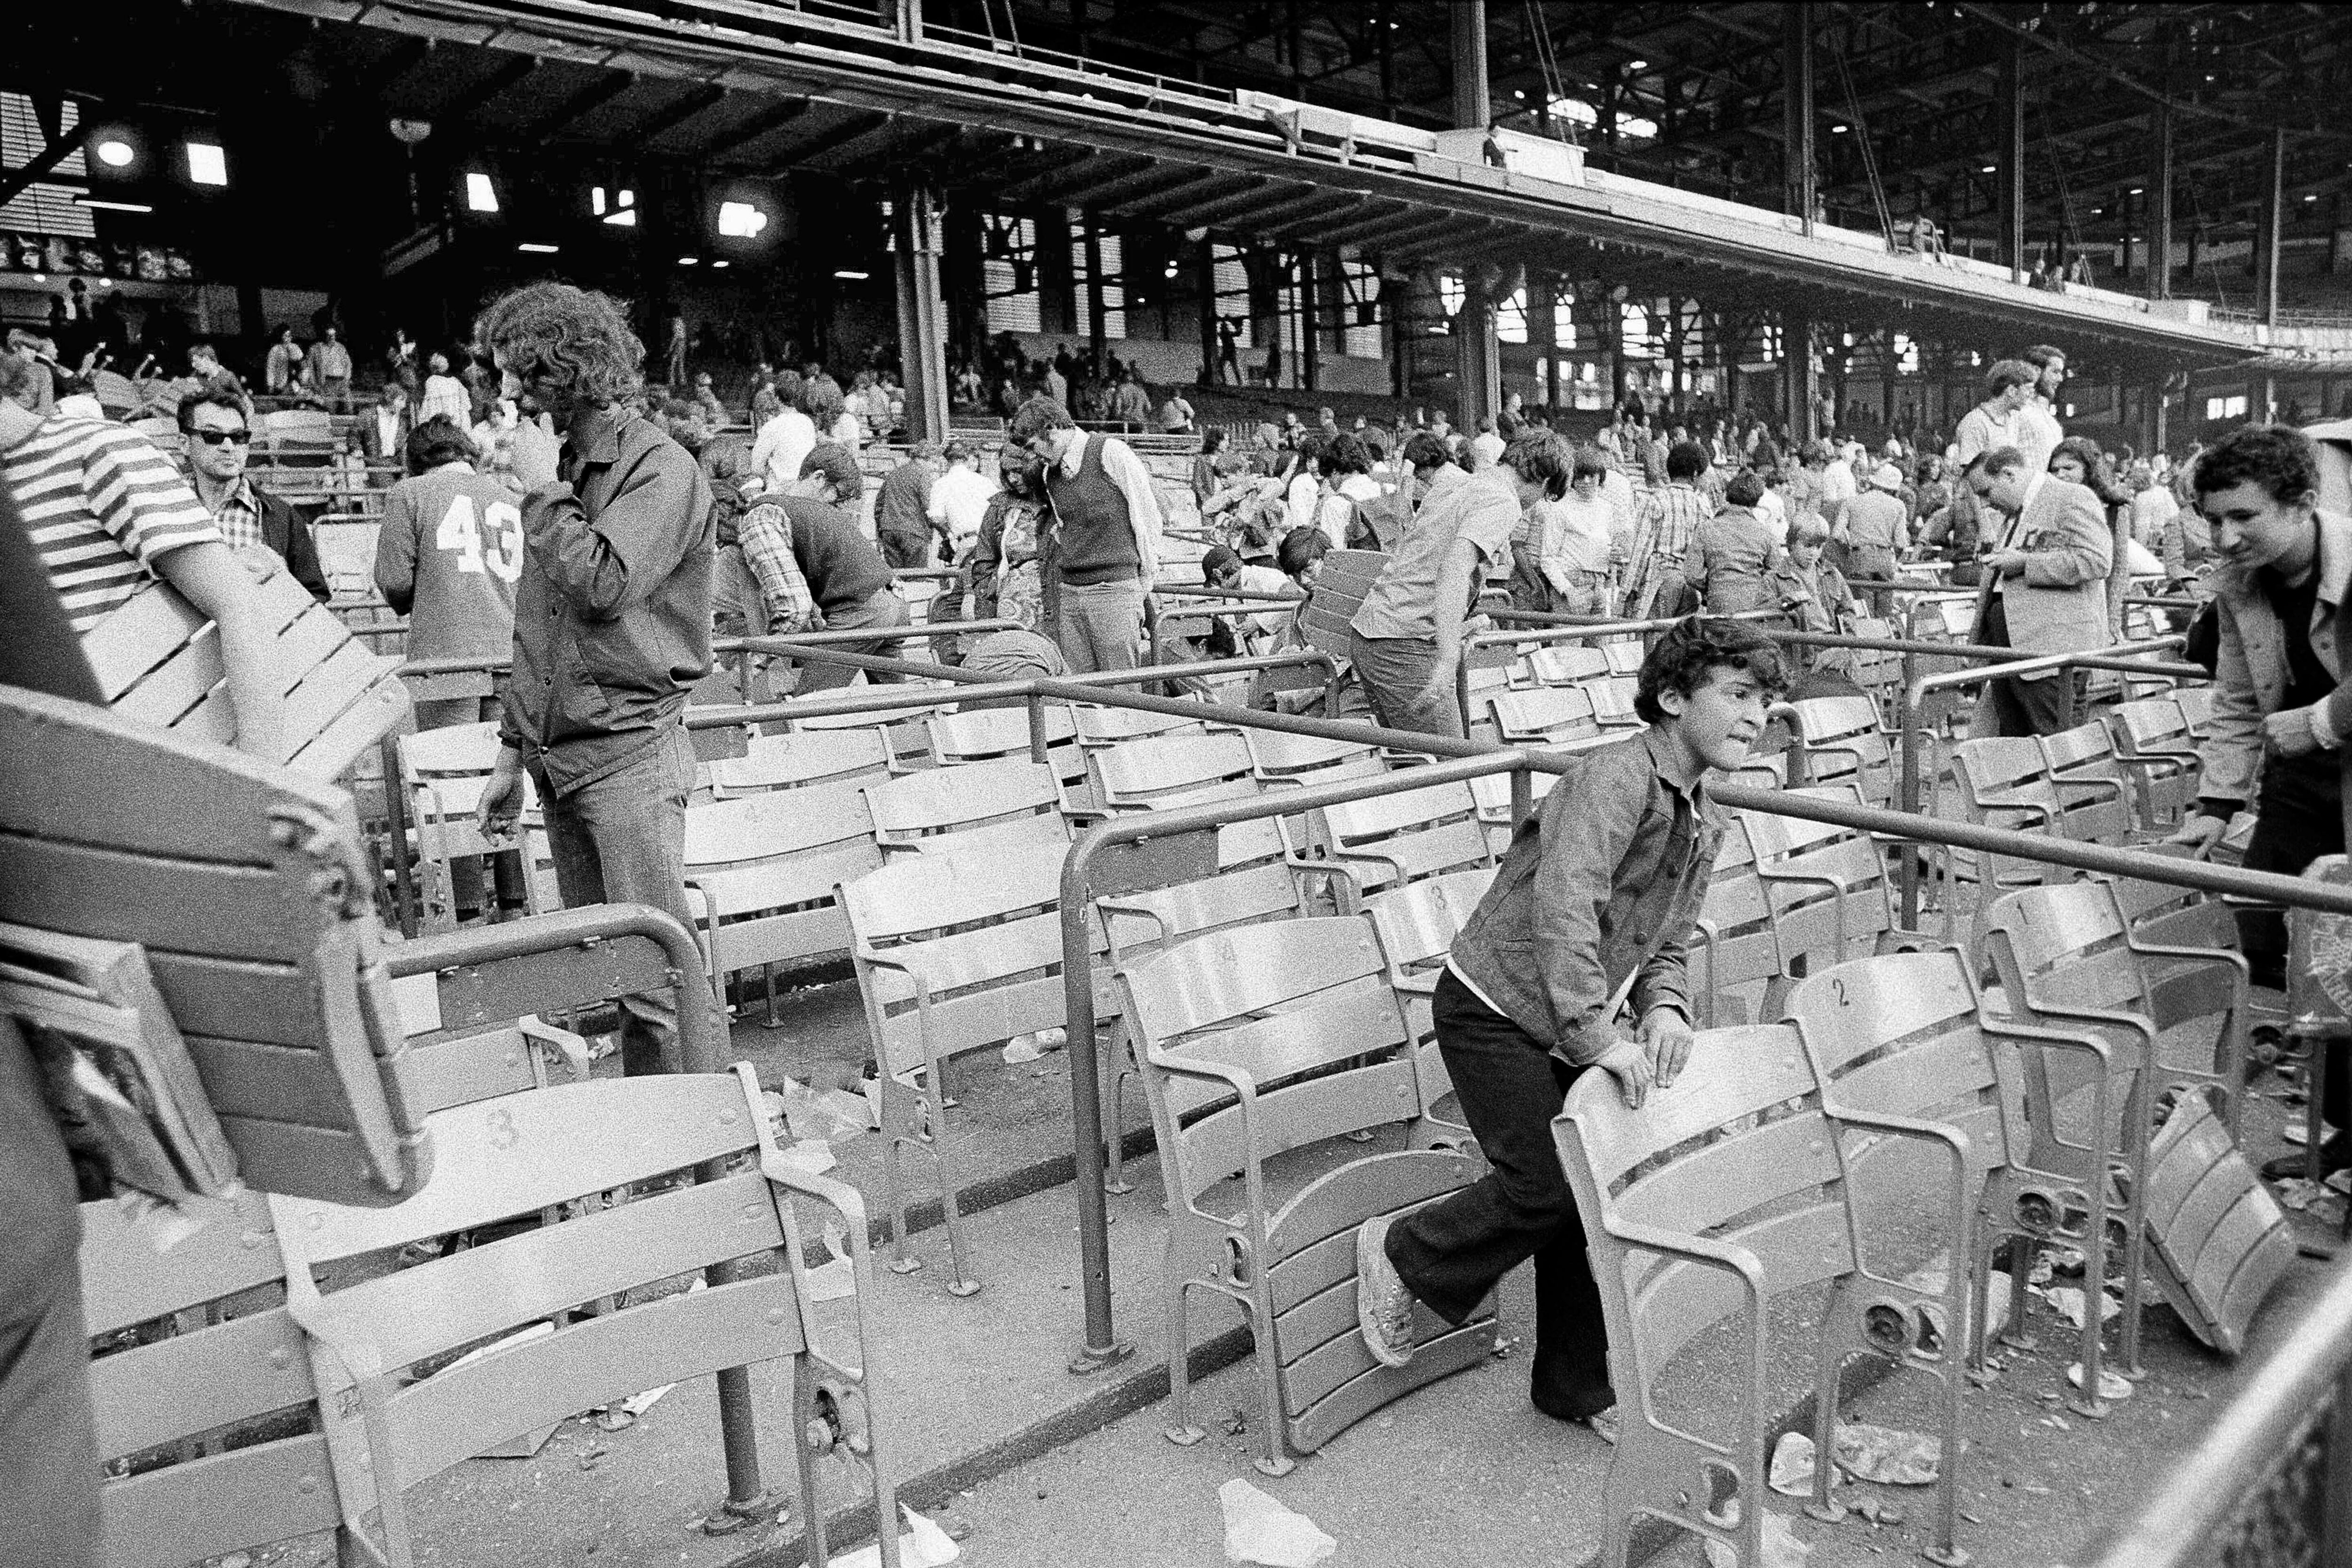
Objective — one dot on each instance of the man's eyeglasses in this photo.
(219, 438)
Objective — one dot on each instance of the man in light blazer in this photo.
(2045, 588)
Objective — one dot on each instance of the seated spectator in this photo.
(1732, 554)
(1222, 569)
(220, 439)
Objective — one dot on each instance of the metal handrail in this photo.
(2199, 1507)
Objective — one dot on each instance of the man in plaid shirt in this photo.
(765, 532)
(1662, 539)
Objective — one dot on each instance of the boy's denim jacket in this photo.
(1605, 881)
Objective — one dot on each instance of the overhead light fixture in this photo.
(2136, 190)
(1991, 169)
(690, 261)
(625, 218)
(2312, 197)
(536, 248)
(82, 198)
(207, 165)
(1637, 65)
(1838, 130)
(852, 274)
(741, 220)
(720, 262)
(597, 200)
(115, 153)
(481, 197)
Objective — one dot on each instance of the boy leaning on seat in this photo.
(1593, 907)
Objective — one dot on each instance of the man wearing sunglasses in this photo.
(220, 439)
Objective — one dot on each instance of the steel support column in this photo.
(1479, 366)
(1798, 177)
(916, 222)
(2267, 263)
(2159, 210)
(2012, 161)
(1310, 301)
(1796, 374)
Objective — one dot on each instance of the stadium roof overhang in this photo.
(751, 86)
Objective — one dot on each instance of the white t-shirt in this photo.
(1774, 513)
(2038, 434)
(959, 501)
(784, 443)
(1266, 580)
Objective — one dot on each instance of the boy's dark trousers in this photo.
(1453, 1252)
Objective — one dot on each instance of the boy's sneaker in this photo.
(1383, 1304)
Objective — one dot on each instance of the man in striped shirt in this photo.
(109, 514)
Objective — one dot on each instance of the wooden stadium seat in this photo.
(801, 757)
(1162, 773)
(2320, 1021)
(2152, 739)
(1736, 956)
(442, 773)
(763, 872)
(157, 659)
(2196, 703)
(247, 885)
(953, 953)
(1388, 841)
(391, 1424)
(1905, 1035)
(1566, 663)
(1101, 725)
(1826, 890)
(1255, 1043)
(1553, 717)
(1844, 739)
(2004, 782)
(2093, 782)
(1347, 576)
(2068, 957)
(1001, 734)
(952, 800)
(1416, 925)
(1311, 759)
(1734, 1191)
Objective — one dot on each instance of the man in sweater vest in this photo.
(1102, 551)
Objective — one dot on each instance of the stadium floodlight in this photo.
(741, 220)
(481, 197)
(116, 153)
(207, 163)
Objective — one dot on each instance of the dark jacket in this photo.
(1605, 882)
(613, 613)
(283, 530)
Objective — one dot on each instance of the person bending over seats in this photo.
(2279, 711)
(818, 571)
(1591, 911)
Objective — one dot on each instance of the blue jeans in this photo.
(1394, 673)
(621, 839)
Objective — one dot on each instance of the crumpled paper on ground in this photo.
(1781, 1547)
(1023, 1048)
(1792, 1464)
(1887, 1455)
(824, 1118)
(2067, 1301)
(1933, 1274)
(923, 1545)
(1260, 1530)
(830, 1281)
